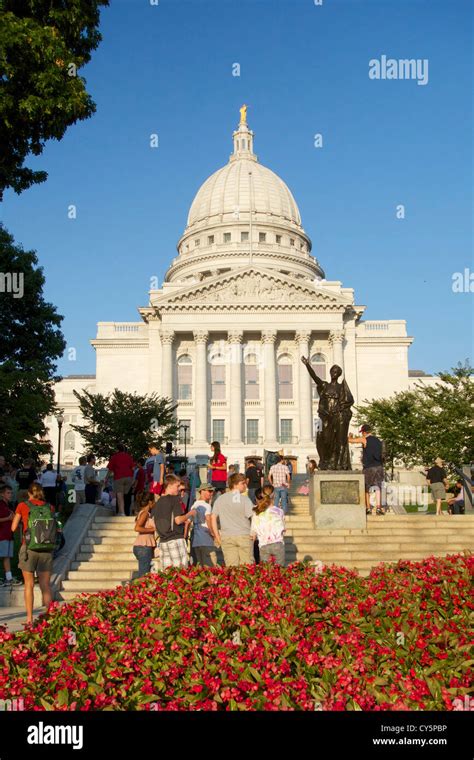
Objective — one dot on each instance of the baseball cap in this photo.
(206, 487)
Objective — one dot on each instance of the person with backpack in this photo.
(40, 533)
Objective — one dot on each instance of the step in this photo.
(126, 548)
(432, 536)
(355, 557)
(377, 551)
(114, 577)
(110, 532)
(104, 564)
(113, 520)
(416, 517)
(87, 556)
(110, 540)
(79, 585)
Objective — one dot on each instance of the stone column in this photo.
(306, 412)
(336, 338)
(200, 393)
(167, 337)
(235, 340)
(155, 362)
(270, 390)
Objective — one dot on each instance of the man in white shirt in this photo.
(48, 481)
(78, 480)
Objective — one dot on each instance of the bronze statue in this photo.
(243, 114)
(335, 401)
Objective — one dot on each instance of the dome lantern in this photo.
(243, 139)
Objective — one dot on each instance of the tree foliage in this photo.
(43, 44)
(30, 344)
(427, 422)
(128, 418)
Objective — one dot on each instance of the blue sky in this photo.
(167, 69)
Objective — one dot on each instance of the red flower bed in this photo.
(254, 638)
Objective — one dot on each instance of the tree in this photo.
(427, 422)
(30, 344)
(128, 418)
(43, 44)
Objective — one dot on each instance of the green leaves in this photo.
(30, 344)
(134, 420)
(39, 98)
(430, 421)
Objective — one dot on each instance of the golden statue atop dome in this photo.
(243, 115)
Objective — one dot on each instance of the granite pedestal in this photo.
(337, 499)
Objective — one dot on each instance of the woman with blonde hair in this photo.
(38, 543)
(268, 526)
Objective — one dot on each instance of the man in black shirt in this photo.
(169, 521)
(438, 481)
(254, 479)
(372, 466)
(25, 476)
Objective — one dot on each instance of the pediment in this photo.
(255, 289)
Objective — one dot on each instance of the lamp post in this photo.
(185, 428)
(59, 420)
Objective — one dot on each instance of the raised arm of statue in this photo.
(313, 375)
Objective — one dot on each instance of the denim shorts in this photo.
(6, 548)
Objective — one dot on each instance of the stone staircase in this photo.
(388, 538)
(106, 559)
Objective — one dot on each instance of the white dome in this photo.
(227, 192)
(243, 211)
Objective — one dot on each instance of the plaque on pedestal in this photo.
(337, 499)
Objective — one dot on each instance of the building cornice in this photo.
(105, 343)
(384, 340)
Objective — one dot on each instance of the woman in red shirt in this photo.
(30, 561)
(218, 468)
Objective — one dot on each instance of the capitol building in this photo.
(240, 304)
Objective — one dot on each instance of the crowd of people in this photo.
(236, 518)
(233, 518)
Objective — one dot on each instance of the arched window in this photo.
(319, 364)
(285, 377)
(69, 441)
(251, 377)
(185, 377)
(217, 378)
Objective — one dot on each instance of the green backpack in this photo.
(42, 530)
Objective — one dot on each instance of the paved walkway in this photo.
(15, 617)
